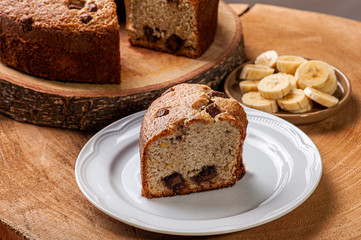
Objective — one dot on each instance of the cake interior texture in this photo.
(191, 140)
(180, 27)
(204, 155)
(161, 20)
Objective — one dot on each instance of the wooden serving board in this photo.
(145, 75)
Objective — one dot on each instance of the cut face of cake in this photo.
(180, 27)
(191, 140)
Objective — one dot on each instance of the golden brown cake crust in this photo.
(55, 40)
(180, 99)
(183, 104)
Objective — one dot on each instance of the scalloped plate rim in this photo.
(117, 128)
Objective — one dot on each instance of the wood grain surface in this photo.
(145, 75)
(39, 197)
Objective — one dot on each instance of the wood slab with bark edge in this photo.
(145, 75)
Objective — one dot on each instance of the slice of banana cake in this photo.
(191, 140)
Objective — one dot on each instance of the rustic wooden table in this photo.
(39, 197)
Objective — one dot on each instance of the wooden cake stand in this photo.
(145, 75)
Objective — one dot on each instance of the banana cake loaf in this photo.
(68, 40)
(191, 140)
(78, 40)
(180, 27)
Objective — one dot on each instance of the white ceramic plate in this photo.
(283, 169)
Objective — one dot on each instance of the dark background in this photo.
(343, 8)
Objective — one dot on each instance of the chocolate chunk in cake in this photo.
(174, 181)
(217, 94)
(207, 173)
(26, 24)
(213, 110)
(76, 4)
(85, 18)
(149, 33)
(174, 43)
(92, 7)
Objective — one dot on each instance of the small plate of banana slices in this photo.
(291, 87)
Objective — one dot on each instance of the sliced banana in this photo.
(297, 85)
(331, 83)
(267, 58)
(293, 81)
(248, 86)
(322, 98)
(307, 108)
(255, 100)
(275, 86)
(313, 73)
(294, 101)
(255, 72)
(289, 64)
